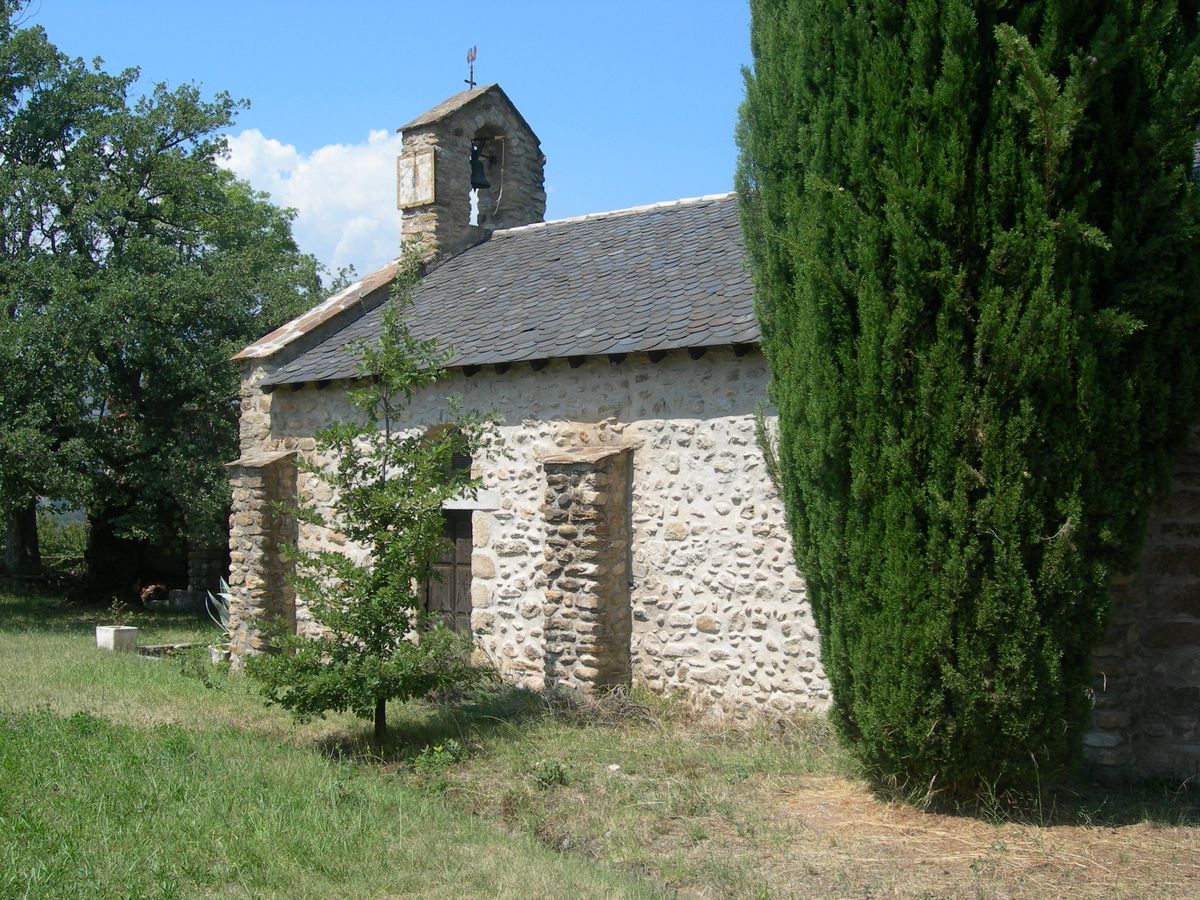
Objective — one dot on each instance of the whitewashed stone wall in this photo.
(718, 609)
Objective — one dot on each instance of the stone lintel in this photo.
(260, 460)
(485, 500)
(586, 455)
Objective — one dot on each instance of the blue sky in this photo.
(635, 102)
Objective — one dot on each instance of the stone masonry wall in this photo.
(1147, 682)
(587, 614)
(258, 570)
(717, 609)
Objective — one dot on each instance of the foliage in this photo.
(132, 266)
(549, 772)
(973, 232)
(437, 758)
(119, 612)
(374, 643)
(217, 607)
(62, 540)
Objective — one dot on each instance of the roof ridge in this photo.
(590, 217)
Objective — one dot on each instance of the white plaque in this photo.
(414, 179)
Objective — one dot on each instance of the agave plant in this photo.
(218, 607)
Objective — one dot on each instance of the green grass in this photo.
(125, 776)
(93, 809)
(122, 776)
(642, 785)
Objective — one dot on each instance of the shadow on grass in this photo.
(1087, 802)
(50, 613)
(487, 709)
(1074, 801)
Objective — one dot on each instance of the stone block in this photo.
(709, 676)
(1167, 635)
(482, 566)
(1102, 739)
(120, 638)
(677, 650)
(511, 548)
(675, 531)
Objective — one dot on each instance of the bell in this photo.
(478, 178)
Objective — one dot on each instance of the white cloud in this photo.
(344, 194)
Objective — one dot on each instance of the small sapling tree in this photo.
(374, 643)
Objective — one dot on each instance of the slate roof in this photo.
(660, 277)
(367, 289)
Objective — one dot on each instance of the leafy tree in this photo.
(131, 267)
(390, 483)
(973, 231)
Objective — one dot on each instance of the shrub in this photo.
(973, 232)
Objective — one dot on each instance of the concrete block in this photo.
(116, 637)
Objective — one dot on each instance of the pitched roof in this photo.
(463, 98)
(657, 277)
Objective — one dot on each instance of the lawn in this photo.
(123, 776)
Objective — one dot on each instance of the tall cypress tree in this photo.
(973, 228)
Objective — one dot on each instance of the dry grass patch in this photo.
(721, 810)
(849, 837)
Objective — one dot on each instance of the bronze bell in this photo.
(478, 178)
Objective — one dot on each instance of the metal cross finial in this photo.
(471, 55)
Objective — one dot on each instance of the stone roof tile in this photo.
(654, 278)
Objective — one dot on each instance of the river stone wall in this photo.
(715, 606)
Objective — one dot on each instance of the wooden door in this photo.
(447, 595)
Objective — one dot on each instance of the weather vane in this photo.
(471, 55)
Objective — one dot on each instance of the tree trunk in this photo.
(22, 555)
(380, 722)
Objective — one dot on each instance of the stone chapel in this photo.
(627, 530)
